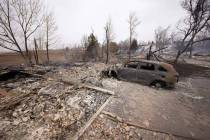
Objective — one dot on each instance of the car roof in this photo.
(146, 61)
(163, 64)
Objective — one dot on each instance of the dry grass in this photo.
(16, 59)
(56, 56)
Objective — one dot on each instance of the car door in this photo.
(146, 72)
(128, 72)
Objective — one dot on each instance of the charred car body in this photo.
(155, 73)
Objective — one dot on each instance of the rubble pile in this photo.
(49, 109)
(22, 85)
(89, 73)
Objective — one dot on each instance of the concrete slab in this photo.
(170, 111)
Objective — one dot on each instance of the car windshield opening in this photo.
(132, 66)
(147, 67)
(162, 69)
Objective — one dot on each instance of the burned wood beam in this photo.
(82, 130)
(159, 50)
(89, 87)
(99, 89)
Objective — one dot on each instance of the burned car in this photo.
(153, 73)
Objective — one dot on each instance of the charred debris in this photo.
(48, 101)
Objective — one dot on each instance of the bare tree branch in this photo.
(19, 20)
(197, 21)
(5, 47)
(133, 22)
(109, 37)
(161, 38)
(50, 30)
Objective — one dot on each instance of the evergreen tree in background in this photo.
(92, 47)
(134, 46)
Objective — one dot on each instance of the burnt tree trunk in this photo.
(107, 51)
(36, 56)
(47, 45)
(28, 54)
(150, 52)
(191, 49)
(129, 50)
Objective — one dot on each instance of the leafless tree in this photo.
(133, 22)
(19, 20)
(161, 38)
(84, 41)
(36, 55)
(109, 37)
(50, 28)
(196, 22)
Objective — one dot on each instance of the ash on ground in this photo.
(44, 108)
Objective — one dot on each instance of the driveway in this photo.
(183, 111)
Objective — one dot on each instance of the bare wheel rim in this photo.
(158, 84)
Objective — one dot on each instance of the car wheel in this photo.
(158, 84)
(114, 74)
